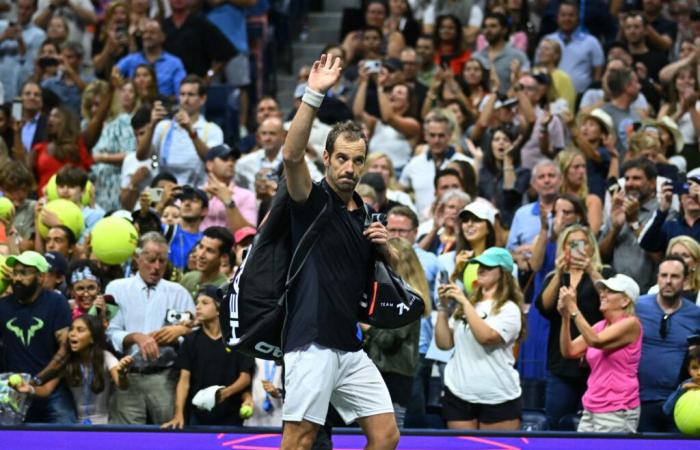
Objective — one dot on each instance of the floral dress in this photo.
(117, 137)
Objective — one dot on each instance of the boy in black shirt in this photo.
(205, 362)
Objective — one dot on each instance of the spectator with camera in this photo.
(193, 209)
(19, 44)
(68, 83)
(140, 330)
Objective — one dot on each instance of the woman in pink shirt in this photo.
(612, 348)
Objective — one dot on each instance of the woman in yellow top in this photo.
(548, 56)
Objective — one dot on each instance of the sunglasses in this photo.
(663, 328)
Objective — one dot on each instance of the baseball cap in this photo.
(542, 78)
(57, 263)
(495, 257)
(694, 175)
(621, 283)
(505, 103)
(480, 210)
(190, 192)
(243, 233)
(222, 151)
(212, 291)
(29, 258)
(393, 64)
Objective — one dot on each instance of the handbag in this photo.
(388, 301)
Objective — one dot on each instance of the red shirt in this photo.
(456, 62)
(47, 165)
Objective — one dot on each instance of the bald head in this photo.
(271, 135)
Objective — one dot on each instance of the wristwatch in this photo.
(574, 315)
(231, 204)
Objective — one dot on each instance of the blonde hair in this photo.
(508, 290)
(592, 243)
(99, 89)
(374, 157)
(694, 249)
(406, 264)
(565, 159)
(642, 140)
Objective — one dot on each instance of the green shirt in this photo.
(192, 282)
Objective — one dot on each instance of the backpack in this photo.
(254, 309)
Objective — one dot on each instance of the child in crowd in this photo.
(266, 395)
(209, 371)
(90, 372)
(691, 383)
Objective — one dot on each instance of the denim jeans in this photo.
(57, 408)
(562, 397)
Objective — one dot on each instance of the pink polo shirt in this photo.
(613, 384)
(246, 202)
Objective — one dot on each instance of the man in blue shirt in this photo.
(667, 320)
(169, 68)
(184, 237)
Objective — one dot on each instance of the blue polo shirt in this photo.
(169, 70)
(662, 358)
(580, 53)
(525, 225)
(659, 231)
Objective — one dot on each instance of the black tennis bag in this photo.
(254, 308)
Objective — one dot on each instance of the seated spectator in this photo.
(612, 348)
(380, 163)
(667, 320)
(577, 266)
(208, 367)
(572, 165)
(395, 129)
(501, 179)
(182, 142)
(482, 388)
(688, 249)
(395, 352)
(34, 322)
(168, 68)
(195, 40)
(229, 205)
(115, 142)
(662, 228)
(140, 330)
(216, 242)
(90, 372)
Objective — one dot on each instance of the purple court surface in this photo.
(145, 439)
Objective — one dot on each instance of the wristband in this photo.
(312, 98)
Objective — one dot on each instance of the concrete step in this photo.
(325, 20)
(306, 53)
(324, 35)
(339, 5)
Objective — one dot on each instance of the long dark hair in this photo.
(73, 370)
(463, 243)
(64, 145)
(490, 160)
(457, 42)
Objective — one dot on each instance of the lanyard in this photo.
(87, 392)
(167, 142)
(270, 371)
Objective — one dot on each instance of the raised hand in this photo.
(324, 73)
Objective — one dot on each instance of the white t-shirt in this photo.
(390, 141)
(130, 165)
(485, 374)
(91, 406)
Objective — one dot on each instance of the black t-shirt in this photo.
(211, 363)
(197, 43)
(28, 331)
(324, 301)
(588, 303)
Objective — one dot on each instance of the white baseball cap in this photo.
(481, 210)
(621, 283)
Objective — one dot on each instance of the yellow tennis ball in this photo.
(68, 213)
(51, 191)
(471, 277)
(14, 380)
(246, 412)
(7, 209)
(3, 282)
(686, 413)
(113, 240)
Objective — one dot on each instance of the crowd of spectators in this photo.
(538, 163)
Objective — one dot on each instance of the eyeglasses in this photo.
(663, 328)
(399, 231)
(83, 289)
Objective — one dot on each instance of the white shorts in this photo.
(316, 376)
(623, 421)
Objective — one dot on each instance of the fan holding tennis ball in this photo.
(14, 380)
(246, 412)
(7, 210)
(63, 211)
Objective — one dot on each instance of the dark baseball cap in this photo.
(393, 64)
(189, 192)
(57, 263)
(222, 151)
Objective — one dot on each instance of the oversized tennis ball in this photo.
(687, 412)
(113, 240)
(246, 412)
(471, 277)
(7, 209)
(14, 380)
(68, 213)
(51, 191)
